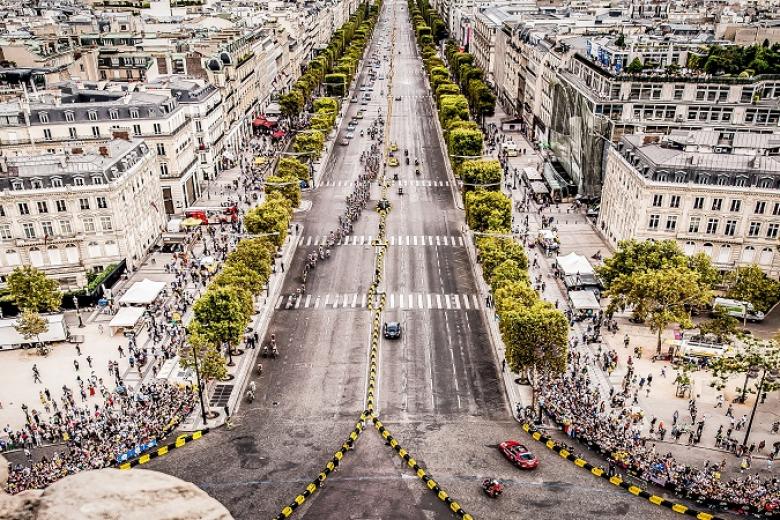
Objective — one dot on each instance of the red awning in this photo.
(278, 134)
(259, 121)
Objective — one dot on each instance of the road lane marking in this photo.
(327, 299)
(392, 301)
(457, 301)
(392, 240)
(354, 301)
(308, 242)
(420, 301)
(279, 301)
(298, 302)
(308, 299)
(317, 303)
(346, 240)
(438, 301)
(476, 301)
(363, 300)
(415, 239)
(447, 300)
(466, 301)
(430, 305)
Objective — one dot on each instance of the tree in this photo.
(255, 254)
(750, 284)
(621, 41)
(291, 104)
(635, 67)
(750, 359)
(505, 273)
(30, 289)
(291, 166)
(452, 108)
(326, 104)
(272, 216)
(289, 187)
(464, 143)
(211, 363)
(660, 297)
(336, 84)
(709, 276)
(488, 211)
(310, 143)
(31, 325)
(241, 276)
(722, 326)
(481, 174)
(536, 339)
(633, 256)
(494, 251)
(512, 294)
(223, 312)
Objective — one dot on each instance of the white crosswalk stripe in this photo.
(400, 301)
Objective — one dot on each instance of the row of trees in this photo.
(223, 311)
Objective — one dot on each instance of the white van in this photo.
(510, 148)
(737, 309)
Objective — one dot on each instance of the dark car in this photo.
(392, 330)
(518, 455)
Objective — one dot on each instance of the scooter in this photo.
(400, 190)
(417, 171)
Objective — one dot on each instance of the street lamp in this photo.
(200, 386)
(765, 377)
(78, 312)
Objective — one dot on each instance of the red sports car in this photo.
(518, 455)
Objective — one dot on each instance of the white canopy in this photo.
(58, 331)
(573, 264)
(126, 318)
(584, 300)
(142, 293)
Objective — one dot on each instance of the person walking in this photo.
(76, 365)
(36, 374)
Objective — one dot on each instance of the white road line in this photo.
(392, 240)
(429, 301)
(430, 240)
(317, 303)
(476, 301)
(354, 301)
(298, 302)
(308, 242)
(362, 239)
(392, 301)
(369, 239)
(327, 299)
(420, 301)
(306, 303)
(438, 238)
(466, 301)
(457, 301)
(460, 241)
(438, 301)
(447, 301)
(363, 300)
(279, 301)
(346, 240)
(415, 239)
(400, 300)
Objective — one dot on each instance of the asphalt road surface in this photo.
(439, 388)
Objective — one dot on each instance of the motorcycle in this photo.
(259, 369)
(400, 190)
(250, 396)
(417, 171)
(264, 353)
(274, 352)
(407, 161)
(492, 487)
(417, 162)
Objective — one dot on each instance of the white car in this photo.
(349, 135)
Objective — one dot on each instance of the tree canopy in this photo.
(31, 289)
(750, 284)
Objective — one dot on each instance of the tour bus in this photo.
(510, 148)
(213, 215)
(737, 309)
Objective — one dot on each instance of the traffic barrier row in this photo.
(420, 471)
(163, 450)
(330, 467)
(615, 480)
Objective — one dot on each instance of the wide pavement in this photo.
(439, 391)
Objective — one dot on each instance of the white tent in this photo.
(573, 264)
(58, 331)
(584, 301)
(126, 318)
(142, 293)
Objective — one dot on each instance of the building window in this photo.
(163, 169)
(47, 134)
(658, 200)
(731, 228)
(43, 117)
(29, 230)
(2, 211)
(105, 223)
(78, 181)
(101, 202)
(24, 209)
(671, 222)
(712, 226)
(43, 207)
(84, 203)
(717, 204)
(72, 132)
(654, 219)
(48, 229)
(157, 129)
(89, 224)
(56, 183)
(160, 149)
(137, 129)
(693, 227)
(65, 227)
(674, 201)
(92, 115)
(772, 230)
(133, 113)
(69, 117)
(698, 203)
(776, 209)
(5, 232)
(61, 206)
(95, 131)
(755, 229)
(736, 205)
(760, 207)
(97, 180)
(113, 114)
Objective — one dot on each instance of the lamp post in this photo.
(200, 386)
(764, 377)
(78, 312)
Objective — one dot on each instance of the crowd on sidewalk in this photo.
(95, 436)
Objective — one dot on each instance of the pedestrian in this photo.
(36, 374)
(626, 341)
(89, 361)
(730, 411)
(649, 380)
(76, 365)
(663, 372)
(100, 328)
(78, 350)
(675, 416)
(121, 351)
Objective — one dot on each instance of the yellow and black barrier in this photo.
(330, 467)
(163, 450)
(420, 471)
(614, 479)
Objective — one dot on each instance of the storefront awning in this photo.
(278, 134)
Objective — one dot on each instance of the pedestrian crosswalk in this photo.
(401, 182)
(400, 301)
(393, 240)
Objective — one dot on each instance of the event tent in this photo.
(57, 331)
(142, 293)
(573, 264)
(126, 318)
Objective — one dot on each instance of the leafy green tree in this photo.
(446, 89)
(507, 272)
(223, 312)
(310, 143)
(659, 297)
(290, 166)
(721, 325)
(483, 174)
(751, 359)
(709, 276)
(481, 98)
(536, 339)
(452, 108)
(488, 211)
(212, 365)
(31, 325)
(621, 41)
(326, 104)
(289, 187)
(336, 84)
(323, 121)
(494, 251)
(241, 276)
(464, 143)
(635, 67)
(273, 216)
(255, 254)
(750, 284)
(291, 103)
(31, 289)
(513, 294)
(633, 256)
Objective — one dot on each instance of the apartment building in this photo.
(78, 117)
(70, 214)
(712, 191)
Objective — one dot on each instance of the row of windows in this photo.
(56, 182)
(735, 205)
(60, 206)
(64, 228)
(712, 226)
(92, 115)
(57, 256)
(73, 132)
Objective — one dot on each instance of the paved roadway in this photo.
(439, 391)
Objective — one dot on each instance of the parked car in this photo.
(518, 455)
(344, 141)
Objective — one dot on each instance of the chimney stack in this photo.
(103, 151)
